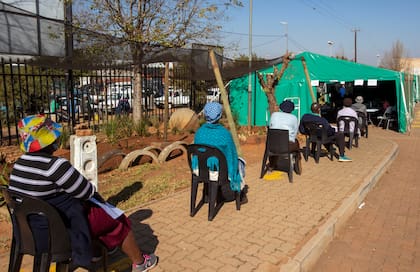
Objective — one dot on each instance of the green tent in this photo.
(293, 85)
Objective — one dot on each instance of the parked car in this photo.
(213, 95)
(82, 108)
(176, 98)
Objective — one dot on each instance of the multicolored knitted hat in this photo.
(37, 132)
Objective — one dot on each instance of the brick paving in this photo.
(272, 232)
(284, 226)
(384, 235)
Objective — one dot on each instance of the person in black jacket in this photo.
(316, 117)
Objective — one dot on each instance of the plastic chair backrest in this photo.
(348, 124)
(277, 141)
(362, 119)
(277, 145)
(202, 153)
(316, 131)
(20, 207)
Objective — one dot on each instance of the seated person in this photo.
(215, 134)
(360, 107)
(331, 131)
(284, 119)
(39, 173)
(347, 111)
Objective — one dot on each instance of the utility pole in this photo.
(355, 30)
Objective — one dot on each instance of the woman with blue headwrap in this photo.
(214, 134)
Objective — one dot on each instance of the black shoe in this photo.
(243, 197)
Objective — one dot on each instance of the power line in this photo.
(253, 35)
(326, 11)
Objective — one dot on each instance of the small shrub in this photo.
(125, 125)
(111, 130)
(141, 128)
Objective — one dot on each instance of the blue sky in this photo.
(312, 23)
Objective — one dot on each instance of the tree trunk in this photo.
(269, 88)
(137, 106)
(270, 85)
(137, 95)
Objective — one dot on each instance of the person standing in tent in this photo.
(215, 134)
(342, 91)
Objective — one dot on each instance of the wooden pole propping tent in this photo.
(308, 80)
(225, 101)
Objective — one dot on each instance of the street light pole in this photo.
(286, 35)
(250, 66)
(330, 43)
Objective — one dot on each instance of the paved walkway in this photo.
(384, 234)
(284, 226)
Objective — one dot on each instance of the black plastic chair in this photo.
(214, 189)
(277, 145)
(363, 124)
(343, 124)
(316, 136)
(21, 207)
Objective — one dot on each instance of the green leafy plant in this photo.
(110, 129)
(119, 128)
(125, 125)
(141, 128)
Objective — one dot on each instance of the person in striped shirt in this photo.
(40, 174)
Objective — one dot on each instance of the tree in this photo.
(395, 59)
(144, 24)
(270, 81)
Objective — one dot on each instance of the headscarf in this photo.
(213, 112)
(37, 132)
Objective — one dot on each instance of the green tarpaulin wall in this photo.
(293, 86)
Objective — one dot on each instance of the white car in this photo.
(176, 98)
(213, 95)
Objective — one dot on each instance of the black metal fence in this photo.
(90, 97)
